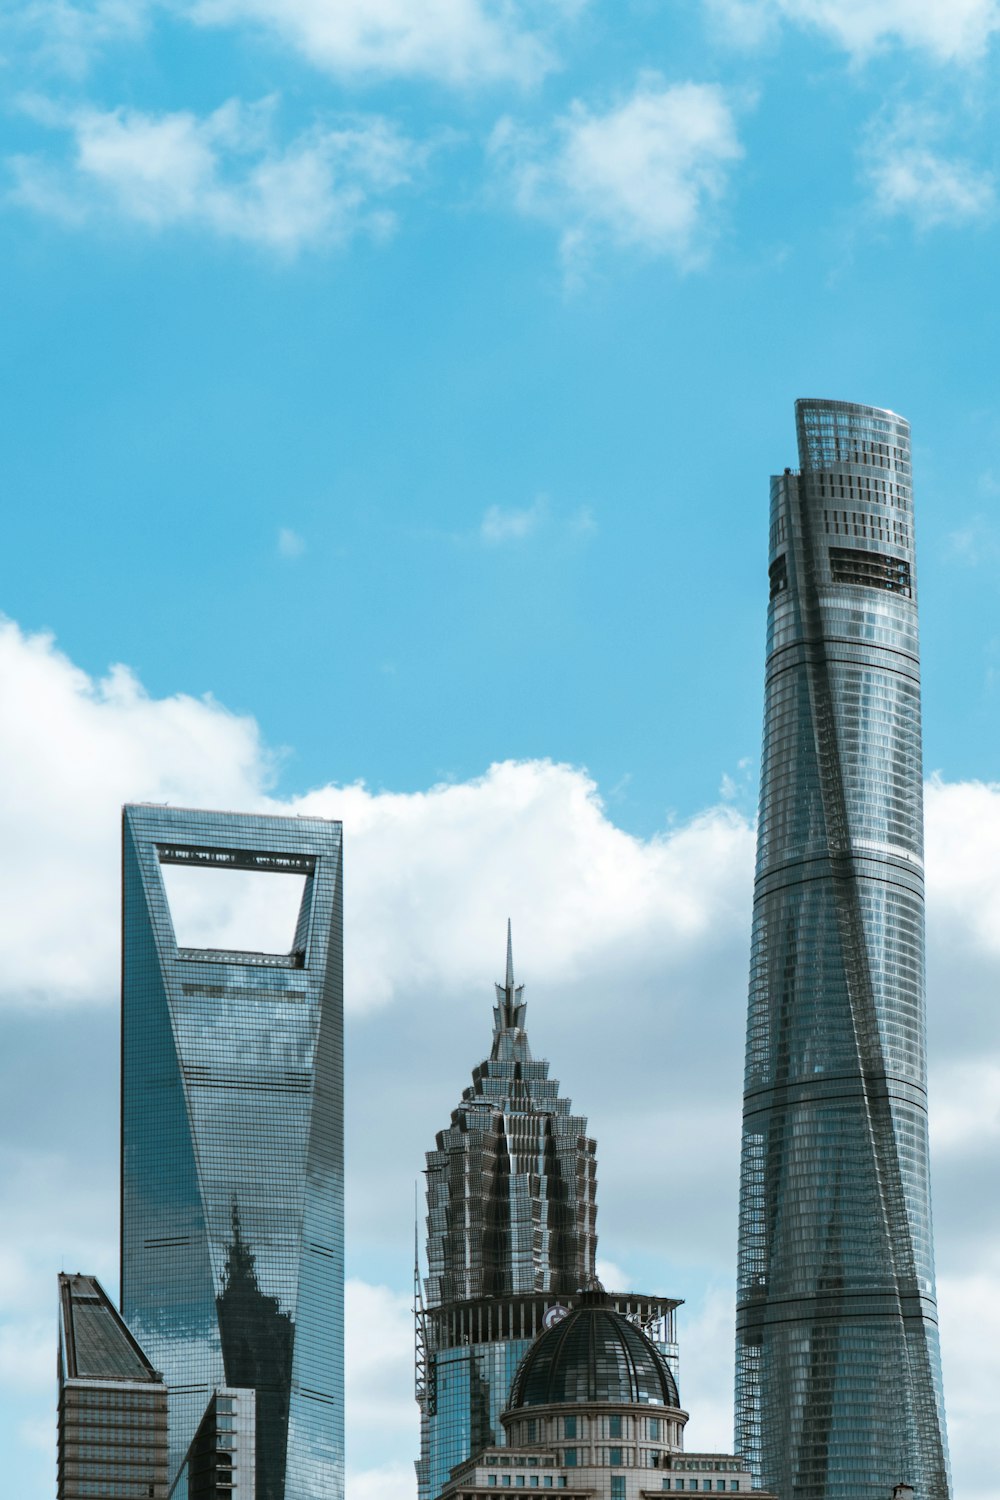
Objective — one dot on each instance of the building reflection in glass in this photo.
(232, 1144)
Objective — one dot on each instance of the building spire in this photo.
(509, 1011)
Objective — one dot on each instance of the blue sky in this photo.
(393, 388)
(196, 365)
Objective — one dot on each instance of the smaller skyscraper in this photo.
(221, 1461)
(112, 1403)
(511, 1241)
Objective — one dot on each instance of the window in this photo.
(618, 1487)
(569, 1427)
(615, 1426)
(615, 1457)
(654, 1428)
(870, 569)
(569, 1458)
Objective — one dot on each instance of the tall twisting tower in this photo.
(838, 1385)
(511, 1240)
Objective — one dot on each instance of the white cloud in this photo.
(66, 37)
(909, 177)
(963, 871)
(970, 1341)
(457, 41)
(651, 933)
(290, 544)
(499, 525)
(226, 173)
(71, 751)
(646, 175)
(388, 1482)
(378, 1340)
(951, 30)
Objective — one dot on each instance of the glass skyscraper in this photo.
(221, 1463)
(511, 1241)
(232, 1144)
(838, 1385)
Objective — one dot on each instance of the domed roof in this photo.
(593, 1355)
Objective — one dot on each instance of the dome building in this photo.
(594, 1412)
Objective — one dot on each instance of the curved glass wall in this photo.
(838, 1380)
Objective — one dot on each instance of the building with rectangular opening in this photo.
(232, 1132)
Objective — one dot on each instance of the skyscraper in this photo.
(221, 1463)
(511, 1240)
(112, 1403)
(838, 1385)
(232, 1143)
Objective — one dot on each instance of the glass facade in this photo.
(838, 1385)
(221, 1463)
(232, 1145)
(511, 1213)
(511, 1188)
(112, 1403)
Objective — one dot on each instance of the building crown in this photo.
(509, 1039)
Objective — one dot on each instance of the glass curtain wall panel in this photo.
(232, 1133)
(838, 1387)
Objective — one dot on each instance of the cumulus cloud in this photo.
(457, 42)
(61, 35)
(635, 955)
(951, 30)
(910, 177)
(227, 173)
(72, 750)
(647, 174)
(378, 1345)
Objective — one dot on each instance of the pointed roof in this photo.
(509, 1012)
(94, 1342)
